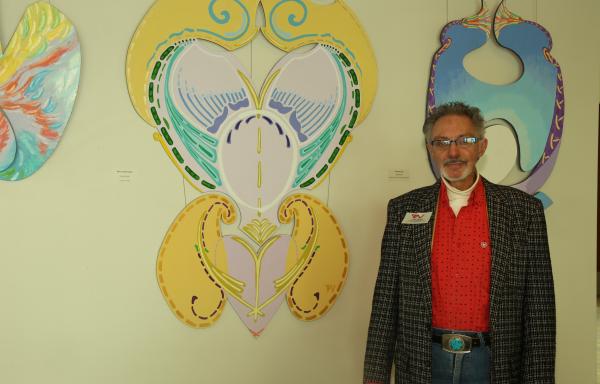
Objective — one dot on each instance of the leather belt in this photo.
(459, 343)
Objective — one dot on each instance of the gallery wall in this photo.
(79, 239)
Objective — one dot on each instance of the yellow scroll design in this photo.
(317, 260)
(291, 24)
(190, 267)
(228, 23)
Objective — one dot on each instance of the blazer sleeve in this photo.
(384, 313)
(539, 309)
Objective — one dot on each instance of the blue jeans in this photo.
(467, 368)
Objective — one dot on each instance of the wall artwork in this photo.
(39, 76)
(255, 237)
(533, 106)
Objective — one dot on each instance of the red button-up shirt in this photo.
(460, 264)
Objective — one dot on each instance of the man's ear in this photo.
(483, 146)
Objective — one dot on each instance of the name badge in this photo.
(416, 217)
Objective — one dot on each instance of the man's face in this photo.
(457, 162)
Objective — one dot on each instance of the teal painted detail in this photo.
(456, 344)
(545, 199)
(35, 89)
(291, 19)
(225, 17)
(50, 106)
(27, 159)
(201, 146)
(315, 150)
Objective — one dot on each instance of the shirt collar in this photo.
(475, 191)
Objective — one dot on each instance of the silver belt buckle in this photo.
(456, 343)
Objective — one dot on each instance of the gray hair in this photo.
(454, 108)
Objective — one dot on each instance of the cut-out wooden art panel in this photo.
(39, 76)
(534, 105)
(253, 153)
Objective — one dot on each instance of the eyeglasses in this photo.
(463, 142)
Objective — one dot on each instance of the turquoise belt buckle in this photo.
(456, 343)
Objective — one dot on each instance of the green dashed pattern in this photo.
(177, 155)
(154, 99)
(166, 136)
(352, 114)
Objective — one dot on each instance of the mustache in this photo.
(454, 161)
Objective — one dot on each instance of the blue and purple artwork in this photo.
(533, 105)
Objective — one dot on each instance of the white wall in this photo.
(80, 303)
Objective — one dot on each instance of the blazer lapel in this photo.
(423, 237)
(499, 216)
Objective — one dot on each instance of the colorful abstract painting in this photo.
(255, 237)
(39, 76)
(534, 105)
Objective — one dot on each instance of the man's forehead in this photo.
(454, 125)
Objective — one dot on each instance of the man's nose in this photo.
(453, 150)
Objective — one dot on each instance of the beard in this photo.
(466, 172)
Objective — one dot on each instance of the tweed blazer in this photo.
(522, 311)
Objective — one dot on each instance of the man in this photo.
(464, 292)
